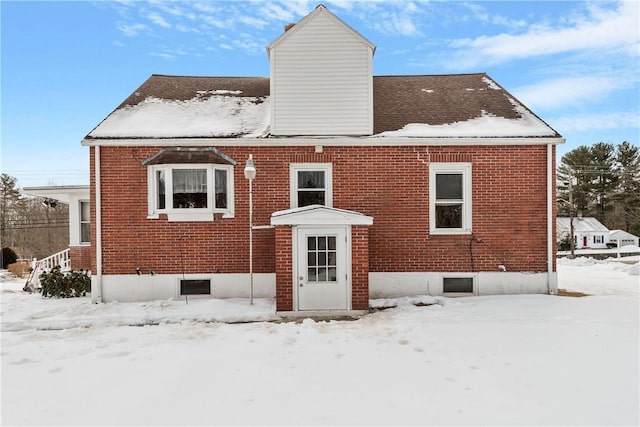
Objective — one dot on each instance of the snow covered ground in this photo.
(498, 360)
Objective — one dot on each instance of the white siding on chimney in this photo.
(321, 81)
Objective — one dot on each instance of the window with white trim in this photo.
(311, 184)
(450, 198)
(85, 224)
(190, 192)
(598, 239)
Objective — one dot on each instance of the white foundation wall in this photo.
(146, 287)
(398, 284)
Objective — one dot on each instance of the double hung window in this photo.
(85, 219)
(190, 192)
(450, 198)
(311, 184)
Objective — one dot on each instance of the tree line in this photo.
(31, 226)
(606, 184)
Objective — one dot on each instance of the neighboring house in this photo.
(366, 186)
(588, 232)
(78, 256)
(622, 238)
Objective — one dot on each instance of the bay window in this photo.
(190, 192)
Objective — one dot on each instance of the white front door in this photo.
(322, 268)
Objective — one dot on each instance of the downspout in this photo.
(98, 225)
(550, 201)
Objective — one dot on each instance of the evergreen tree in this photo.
(627, 194)
(607, 187)
(9, 197)
(576, 163)
(604, 179)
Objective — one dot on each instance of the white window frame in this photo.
(327, 168)
(598, 239)
(81, 221)
(193, 214)
(458, 168)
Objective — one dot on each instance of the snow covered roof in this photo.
(461, 105)
(621, 234)
(583, 224)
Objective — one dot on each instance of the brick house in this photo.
(366, 186)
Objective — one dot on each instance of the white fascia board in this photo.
(325, 141)
(60, 193)
(319, 215)
(318, 10)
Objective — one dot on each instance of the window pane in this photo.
(322, 274)
(85, 232)
(322, 258)
(306, 198)
(322, 243)
(332, 243)
(221, 188)
(331, 258)
(333, 277)
(311, 258)
(310, 179)
(312, 276)
(160, 189)
(458, 284)
(449, 186)
(311, 243)
(449, 216)
(189, 188)
(85, 212)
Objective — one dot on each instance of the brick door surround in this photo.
(286, 225)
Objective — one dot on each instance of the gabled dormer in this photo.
(321, 78)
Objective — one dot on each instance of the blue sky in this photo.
(67, 65)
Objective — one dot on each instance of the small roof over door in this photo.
(319, 215)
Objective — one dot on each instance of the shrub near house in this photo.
(57, 283)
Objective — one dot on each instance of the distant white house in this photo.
(622, 238)
(588, 232)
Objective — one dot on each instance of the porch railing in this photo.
(61, 259)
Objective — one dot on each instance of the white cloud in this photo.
(605, 30)
(158, 20)
(565, 92)
(162, 55)
(480, 13)
(132, 30)
(591, 122)
(397, 23)
(276, 12)
(253, 22)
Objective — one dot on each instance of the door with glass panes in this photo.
(321, 273)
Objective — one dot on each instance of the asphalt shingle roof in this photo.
(240, 106)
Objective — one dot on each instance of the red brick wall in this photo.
(360, 267)
(389, 183)
(81, 257)
(284, 268)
